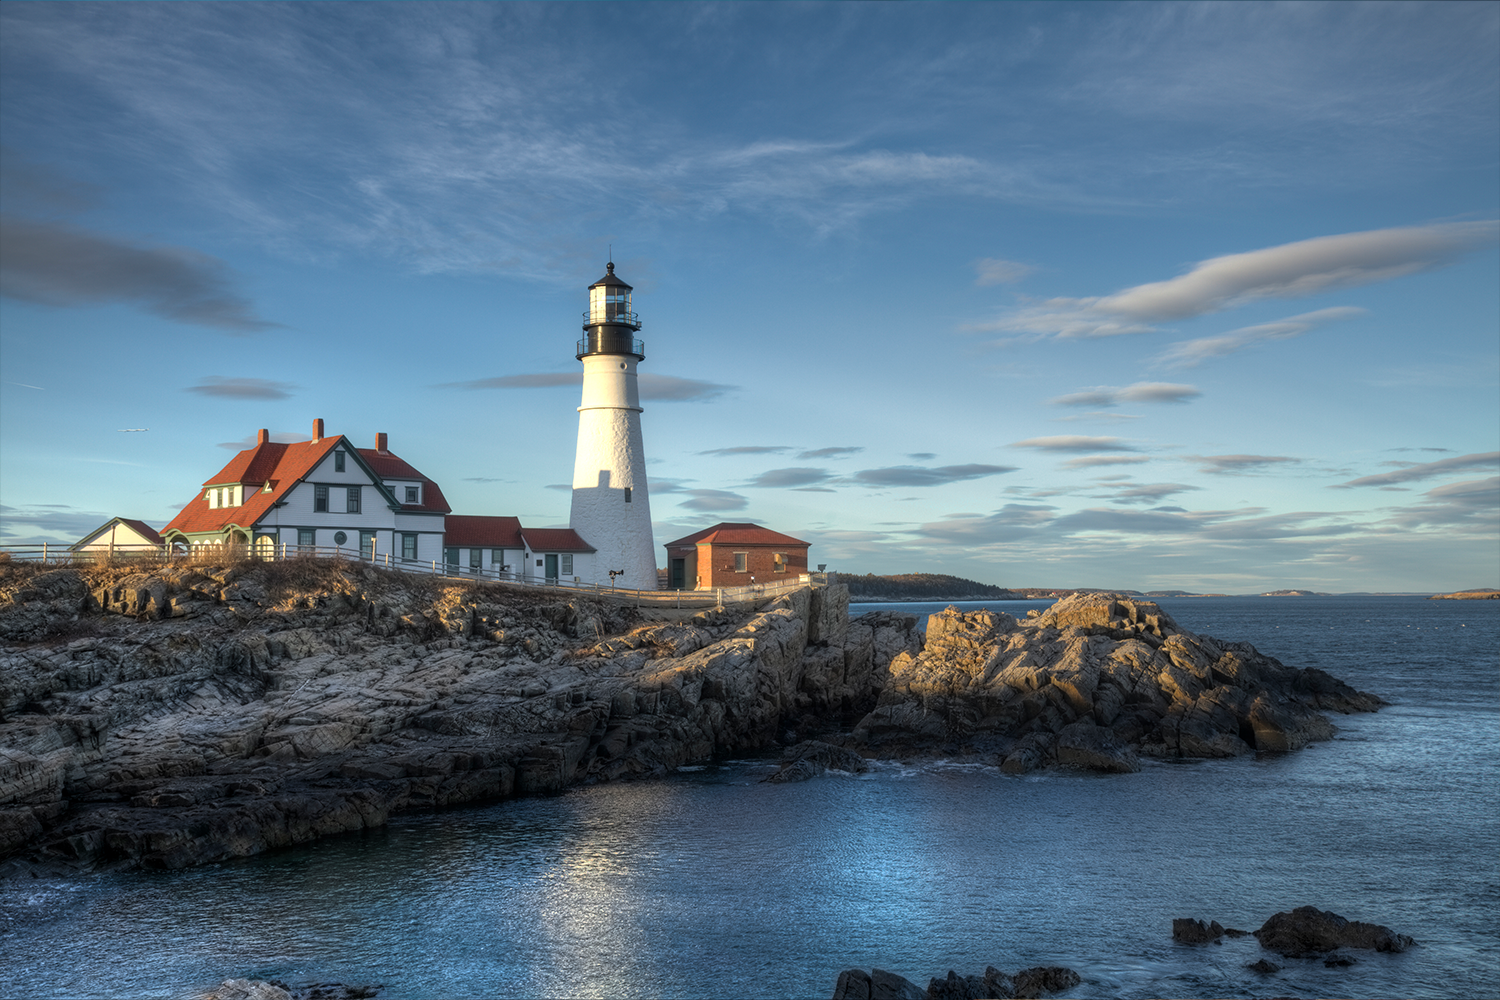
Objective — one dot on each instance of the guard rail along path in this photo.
(63, 555)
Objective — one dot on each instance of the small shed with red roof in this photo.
(120, 534)
(734, 554)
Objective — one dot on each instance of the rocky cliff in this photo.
(1095, 681)
(181, 715)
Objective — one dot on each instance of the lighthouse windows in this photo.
(627, 494)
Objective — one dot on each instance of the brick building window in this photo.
(741, 562)
(778, 562)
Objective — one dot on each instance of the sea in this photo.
(709, 883)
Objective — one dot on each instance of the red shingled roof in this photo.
(736, 533)
(388, 466)
(283, 465)
(553, 540)
(480, 532)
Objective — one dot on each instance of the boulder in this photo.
(1308, 931)
(1083, 744)
(1042, 980)
(877, 984)
(1189, 931)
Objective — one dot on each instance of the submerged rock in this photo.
(1028, 984)
(1096, 681)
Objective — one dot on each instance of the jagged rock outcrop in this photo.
(177, 715)
(877, 984)
(1095, 681)
(811, 758)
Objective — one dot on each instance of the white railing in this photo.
(64, 555)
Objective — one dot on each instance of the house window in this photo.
(320, 498)
(474, 556)
(351, 506)
(539, 563)
(567, 564)
(741, 562)
(209, 494)
(627, 494)
(306, 538)
(450, 558)
(497, 557)
(411, 494)
(408, 546)
(338, 461)
(367, 544)
(778, 562)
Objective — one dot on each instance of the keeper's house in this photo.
(734, 555)
(325, 493)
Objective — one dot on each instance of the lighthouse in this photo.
(611, 508)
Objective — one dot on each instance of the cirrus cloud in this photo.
(1073, 442)
(911, 475)
(1411, 473)
(1140, 392)
(241, 388)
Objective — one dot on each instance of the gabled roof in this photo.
(388, 466)
(139, 527)
(553, 540)
(736, 533)
(282, 465)
(480, 532)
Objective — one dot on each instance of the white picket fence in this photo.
(717, 597)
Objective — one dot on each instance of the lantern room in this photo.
(609, 324)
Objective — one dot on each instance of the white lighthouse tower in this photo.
(611, 509)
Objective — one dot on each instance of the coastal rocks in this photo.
(1027, 984)
(811, 758)
(309, 700)
(1097, 681)
(1308, 931)
(1189, 931)
(272, 989)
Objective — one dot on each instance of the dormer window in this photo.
(267, 487)
(213, 498)
(338, 461)
(411, 495)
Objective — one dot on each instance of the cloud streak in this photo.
(911, 475)
(1073, 442)
(1140, 392)
(1428, 470)
(1232, 464)
(1191, 353)
(1289, 271)
(219, 387)
(55, 264)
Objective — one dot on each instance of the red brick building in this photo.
(733, 555)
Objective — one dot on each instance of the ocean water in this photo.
(710, 884)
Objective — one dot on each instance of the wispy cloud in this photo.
(911, 475)
(829, 453)
(1191, 353)
(1090, 461)
(713, 501)
(660, 388)
(788, 478)
(1290, 271)
(56, 264)
(221, 387)
(1413, 473)
(1231, 464)
(1140, 392)
(1145, 493)
(747, 449)
(993, 271)
(1073, 442)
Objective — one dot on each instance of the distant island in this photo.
(1475, 594)
(899, 587)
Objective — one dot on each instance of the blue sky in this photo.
(1135, 295)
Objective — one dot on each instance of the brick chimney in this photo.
(381, 441)
(264, 437)
(317, 430)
